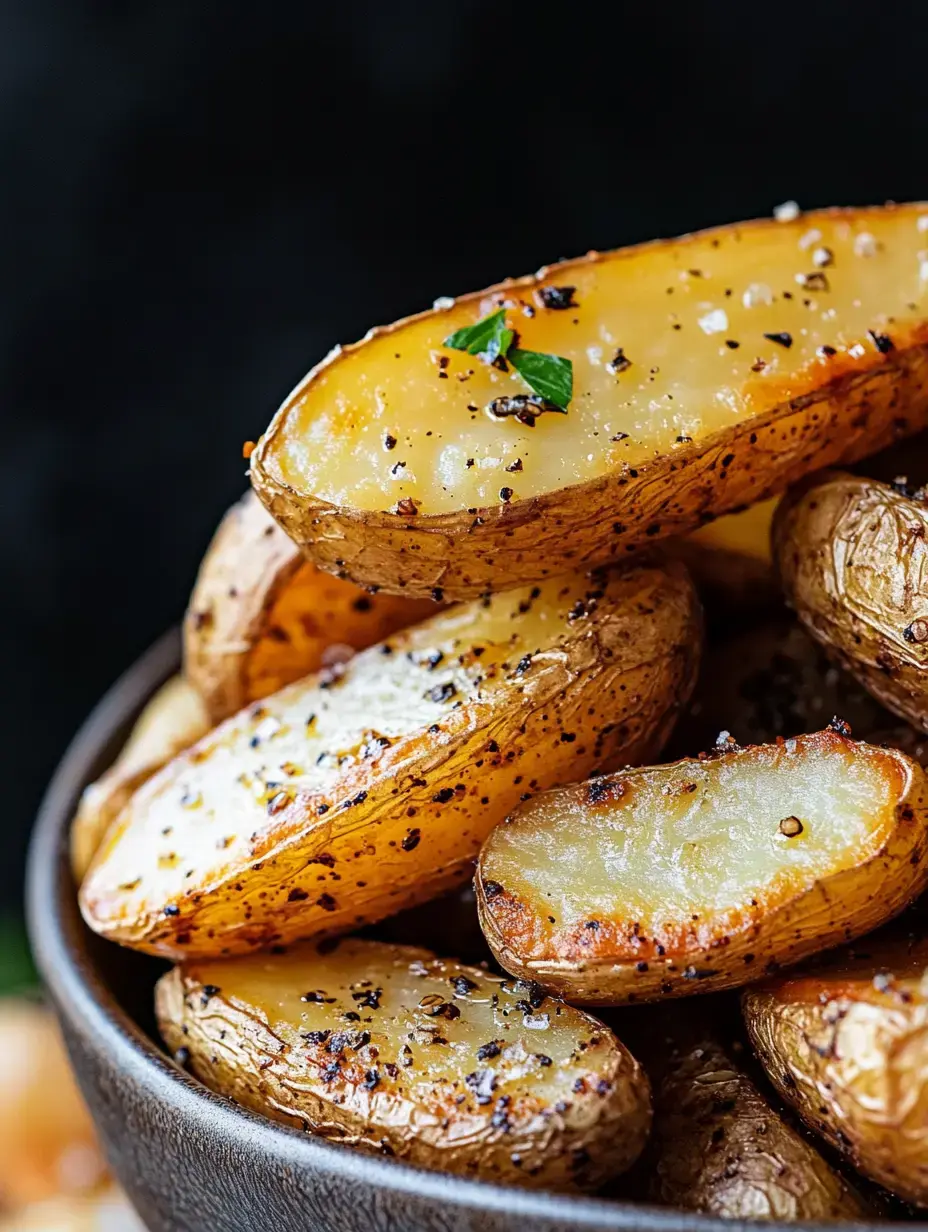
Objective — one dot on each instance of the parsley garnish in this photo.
(551, 377)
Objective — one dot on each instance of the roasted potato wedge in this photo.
(394, 1050)
(344, 798)
(845, 1041)
(261, 616)
(47, 1141)
(700, 875)
(854, 563)
(708, 373)
(173, 720)
(720, 1147)
(772, 680)
(730, 558)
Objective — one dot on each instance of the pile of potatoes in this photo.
(432, 661)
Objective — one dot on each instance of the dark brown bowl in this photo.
(190, 1160)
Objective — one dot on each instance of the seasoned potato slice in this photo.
(698, 875)
(718, 1145)
(346, 797)
(262, 616)
(173, 719)
(845, 1041)
(730, 558)
(772, 680)
(391, 1049)
(708, 373)
(854, 563)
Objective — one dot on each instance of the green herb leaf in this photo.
(549, 376)
(489, 336)
(17, 974)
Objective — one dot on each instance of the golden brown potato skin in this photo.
(841, 407)
(433, 1066)
(845, 1041)
(173, 720)
(261, 615)
(614, 960)
(851, 553)
(718, 1146)
(773, 680)
(335, 803)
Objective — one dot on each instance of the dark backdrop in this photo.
(199, 197)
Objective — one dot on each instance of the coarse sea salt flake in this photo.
(756, 294)
(787, 212)
(714, 322)
(865, 245)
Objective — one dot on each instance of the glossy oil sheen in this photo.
(714, 328)
(189, 1159)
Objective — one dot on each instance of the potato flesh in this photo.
(173, 719)
(355, 800)
(684, 382)
(744, 534)
(444, 1064)
(692, 838)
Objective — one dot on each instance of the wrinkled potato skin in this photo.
(852, 556)
(174, 719)
(773, 680)
(261, 616)
(852, 1059)
(833, 413)
(613, 965)
(237, 1049)
(603, 692)
(718, 1147)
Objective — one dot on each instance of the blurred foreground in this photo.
(53, 1177)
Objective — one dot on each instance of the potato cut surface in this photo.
(174, 718)
(345, 797)
(707, 373)
(676, 879)
(389, 1048)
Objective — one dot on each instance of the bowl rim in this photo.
(79, 993)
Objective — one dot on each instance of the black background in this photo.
(197, 199)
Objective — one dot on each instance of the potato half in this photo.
(853, 559)
(393, 1050)
(720, 1147)
(173, 719)
(846, 1043)
(772, 680)
(346, 797)
(700, 875)
(709, 372)
(262, 616)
